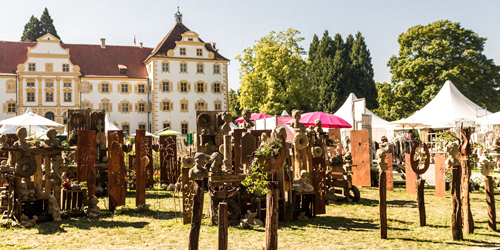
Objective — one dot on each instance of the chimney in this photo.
(103, 43)
(140, 44)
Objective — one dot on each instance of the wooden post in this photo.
(228, 152)
(421, 202)
(116, 170)
(490, 200)
(140, 167)
(223, 240)
(410, 176)
(198, 194)
(468, 221)
(456, 216)
(383, 204)
(389, 174)
(272, 216)
(86, 159)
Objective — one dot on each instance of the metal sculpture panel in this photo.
(318, 176)
(116, 170)
(149, 168)
(410, 176)
(187, 196)
(86, 159)
(389, 175)
(360, 150)
(169, 172)
(140, 172)
(440, 175)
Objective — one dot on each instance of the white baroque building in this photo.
(141, 88)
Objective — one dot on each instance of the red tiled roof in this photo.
(175, 34)
(92, 59)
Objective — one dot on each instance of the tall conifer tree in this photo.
(35, 28)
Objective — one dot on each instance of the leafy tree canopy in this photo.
(429, 56)
(35, 28)
(273, 74)
(234, 104)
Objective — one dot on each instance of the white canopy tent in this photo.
(448, 107)
(30, 119)
(346, 112)
(108, 125)
(36, 130)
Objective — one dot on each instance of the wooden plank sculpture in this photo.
(237, 133)
(272, 204)
(140, 172)
(198, 173)
(223, 224)
(453, 160)
(187, 195)
(440, 175)
(383, 204)
(334, 134)
(389, 173)
(149, 167)
(318, 175)
(485, 166)
(116, 170)
(168, 159)
(466, 150)
(360, 158)
(416, 157)
(86, 159)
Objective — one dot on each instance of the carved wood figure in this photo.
(21, 133)
(227, 118)
(453, 160)
(417, 155)
(247, 124)
(198, 171)
(466, 150)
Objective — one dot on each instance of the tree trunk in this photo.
(223, 226)
(198, 193)
(456, 216)
(383, 205)
(490, 200)
(468, 221)
(272, 216)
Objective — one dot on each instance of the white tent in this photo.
(11, 129)
(378, 124)
(30, 119)
(448, 107)
(493, 119)
(108, 125)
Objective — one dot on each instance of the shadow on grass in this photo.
(374, 203)
(335, 223)
(152, 194)
(84, 223)
(465, 242)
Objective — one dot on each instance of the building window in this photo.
(184, 107)
(199, 68)
(50, 116)
(183, 67)
(166, 106)
(184, 128)
(49, 84)
(183, 86)
(85, 105)
(65, 118)
(30, 96)
(67, 84)
(124, 87)
(216, 87)
(199, 52)
(65, 67)
(216, 69)
(85, 87)
(105, 88)
(166, 125)
(166, 86)
(49, 97)
(190, 39)
(141, 89)
(31, 67)
(105, 106)
(30, 84)
(141, 107)
(123, 71)
(67, 96)
(142, 126)
(218, 107)
(164, 67)
(201, 87)
(201, 106)
(182, 51)
(124, 107)
(126, 129)
(11, 108)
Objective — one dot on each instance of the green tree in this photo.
(47, 24)
(338, 68)
(432, 54)
(31, 30)
(35, 28)
(234, 104)
(273, 74)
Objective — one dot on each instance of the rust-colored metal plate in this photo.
(168, 159)
(440, 175)
(360, 150)
(86, 159)
(410, 176)
(390, 175)
(116, 170)
(334, 134)
(318, 176)
(187, 196)
(140, 171)
(131, 162)
(149, 167)
(415, 163)
(237, 133)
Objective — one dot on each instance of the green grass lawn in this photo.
(345, 226)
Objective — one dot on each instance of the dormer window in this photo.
(123, 69)
(190, 39)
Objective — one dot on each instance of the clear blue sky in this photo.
(236, 24)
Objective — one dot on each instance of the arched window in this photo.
(50, 116)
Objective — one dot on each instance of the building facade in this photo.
(139, 87)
